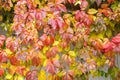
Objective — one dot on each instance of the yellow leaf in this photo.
(4, 65)
(67, 48)
(77, 2)
(45, 49)
(56, 43)
(50, 76)
(60, 74)
(92, 11)
(19, 77)
(42, 75)
(45, 63)
(72, 53)
(57, 57)
(8, 51)
(1, 18)
(8, 76)
(42, 56)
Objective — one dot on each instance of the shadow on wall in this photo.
(2, 31)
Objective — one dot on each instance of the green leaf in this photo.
(92, 11)
(108, 33)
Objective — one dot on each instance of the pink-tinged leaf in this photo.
(20, 70)
(84, 4)
(80, 15)
(39, 44)
(77, 16)
(56, 63)
(40, 14)
(117, 48)
(116, 39)
(32, 75)
(61, 7)
(43, 37)
(52, 23)
(79, 25)
(50, 67)
(69, 75)
(67, 36)
(70, 30)
(108, 46)
(3, 56)
(60, 22)
(12, 44)
(52, 52)
(98, 2)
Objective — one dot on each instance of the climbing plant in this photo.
(59, 39)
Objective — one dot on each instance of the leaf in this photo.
(8, 51)
(18, 77)
(98, 2)
(45, 62)
(1, 72)
(77, 2)
(109, 33)
(8, 76)
(42, 75)
(45, 49)
(60, 74)
(56, 43)
(92, 11)
(116, 39)
(5, 65)
(72, 53)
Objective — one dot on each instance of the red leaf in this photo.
(116, 39)
(36, 61)
(108, 46)
(1, 72)
(14, 61)
(52, 52)
(110, 1)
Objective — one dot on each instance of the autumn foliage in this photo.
(58, 39)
